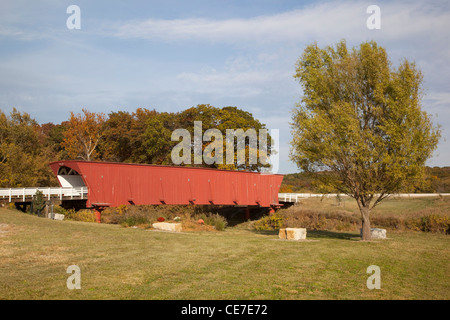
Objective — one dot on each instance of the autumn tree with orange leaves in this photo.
(83, 135)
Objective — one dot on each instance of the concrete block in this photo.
(292, 234)
(282, 234)
(167, 226)
(58, 216)
(376, 233)
(295, 233)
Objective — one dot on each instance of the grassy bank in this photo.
(238, 263)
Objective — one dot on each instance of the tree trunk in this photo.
(366, 235)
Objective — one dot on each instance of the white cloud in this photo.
(292, 26)
(225, 83)
(326, 21)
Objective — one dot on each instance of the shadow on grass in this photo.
(317, 234)
(266, 232)
(325, 234)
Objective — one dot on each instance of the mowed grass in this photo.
(128, 263)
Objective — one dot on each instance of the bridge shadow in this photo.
(236, 216)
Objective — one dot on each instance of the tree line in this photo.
(436, 180)
(141, 136)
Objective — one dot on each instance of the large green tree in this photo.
(360, 122)
(227, 119)
(123, 136)
(83, 134)
(156, 138)
(23, 160)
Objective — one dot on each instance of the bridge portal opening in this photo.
(69, 178)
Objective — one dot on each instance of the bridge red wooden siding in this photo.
(114, 184)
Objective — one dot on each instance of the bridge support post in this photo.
(247, 213)
(98, 214)
(98, 208)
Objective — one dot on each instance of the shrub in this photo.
(389, 222)
(432, 223)
(121, 209)
(85, 215)
(268, 223)
(217, 221)
(135, 217)
(38, 202)
(112, 215)
(212, 219)
(129, 215)
(59, 209)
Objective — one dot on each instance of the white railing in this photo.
(295, 197)
(48, 193)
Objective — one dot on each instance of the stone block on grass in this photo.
(376, 233)
(292, 234)
(295, 233)
(282, 234)
(167, 226)
(58, 216)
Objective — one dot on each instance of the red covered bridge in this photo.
(112, 184)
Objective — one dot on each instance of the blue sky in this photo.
(171, 55)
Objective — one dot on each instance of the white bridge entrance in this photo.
(27, 194)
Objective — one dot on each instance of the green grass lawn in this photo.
(129, 263)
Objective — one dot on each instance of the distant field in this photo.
(437, 180)
(239, 263)
(399, 207)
